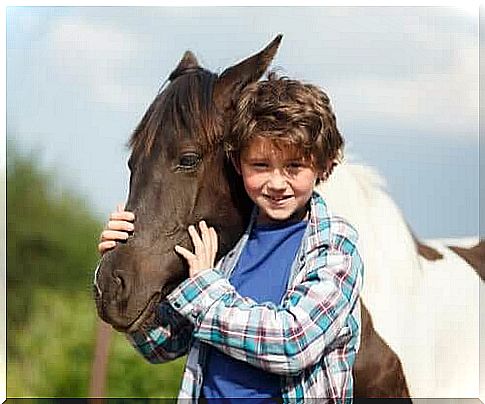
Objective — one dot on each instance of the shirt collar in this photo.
(318, 229)
(319, 226)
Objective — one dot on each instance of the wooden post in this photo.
(97, 387)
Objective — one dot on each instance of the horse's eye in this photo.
(189, 160)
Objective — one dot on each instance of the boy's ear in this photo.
(321, 177)
(324, 174)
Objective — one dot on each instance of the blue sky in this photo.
(403, 82)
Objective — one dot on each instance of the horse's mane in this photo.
(181, 109)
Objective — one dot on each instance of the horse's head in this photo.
(179, 175)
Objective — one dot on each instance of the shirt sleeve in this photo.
(166, 339)
(282, 339)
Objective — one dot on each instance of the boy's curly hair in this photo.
(290, 113)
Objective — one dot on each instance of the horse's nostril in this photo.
(122, 284)
(119, 281)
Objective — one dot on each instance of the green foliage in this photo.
(56, 350)
(146, 379)
(51, 236)
(51, 317)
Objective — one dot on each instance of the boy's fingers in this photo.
(120, 225)
(198, 246)
(105, 246)
(108, 235)
(120, 207)
(206, 237)
(125, 215)
(185, 253)
(215, 246)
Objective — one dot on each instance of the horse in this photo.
(180, 175)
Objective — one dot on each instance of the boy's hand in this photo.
(119, 224)
(205, 247)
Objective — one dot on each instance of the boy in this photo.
(279, 316)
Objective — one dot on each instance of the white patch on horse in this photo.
(426, 311)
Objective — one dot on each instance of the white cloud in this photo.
(443, 102)
(97, 57)
(437, 90)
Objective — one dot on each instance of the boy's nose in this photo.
(276, 181)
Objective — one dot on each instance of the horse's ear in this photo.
(235, 78)
(188, 62)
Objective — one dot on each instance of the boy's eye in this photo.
(259, 165)
(295, 165)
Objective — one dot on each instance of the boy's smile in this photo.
(278, 179)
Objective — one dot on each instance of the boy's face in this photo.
(279, 180)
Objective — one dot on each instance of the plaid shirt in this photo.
(310, 339)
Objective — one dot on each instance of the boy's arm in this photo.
(282, 339)
(166, 339)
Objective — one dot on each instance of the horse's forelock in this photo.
(182, 110)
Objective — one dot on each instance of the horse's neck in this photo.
(356, 193)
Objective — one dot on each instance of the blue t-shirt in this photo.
(262, 273)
